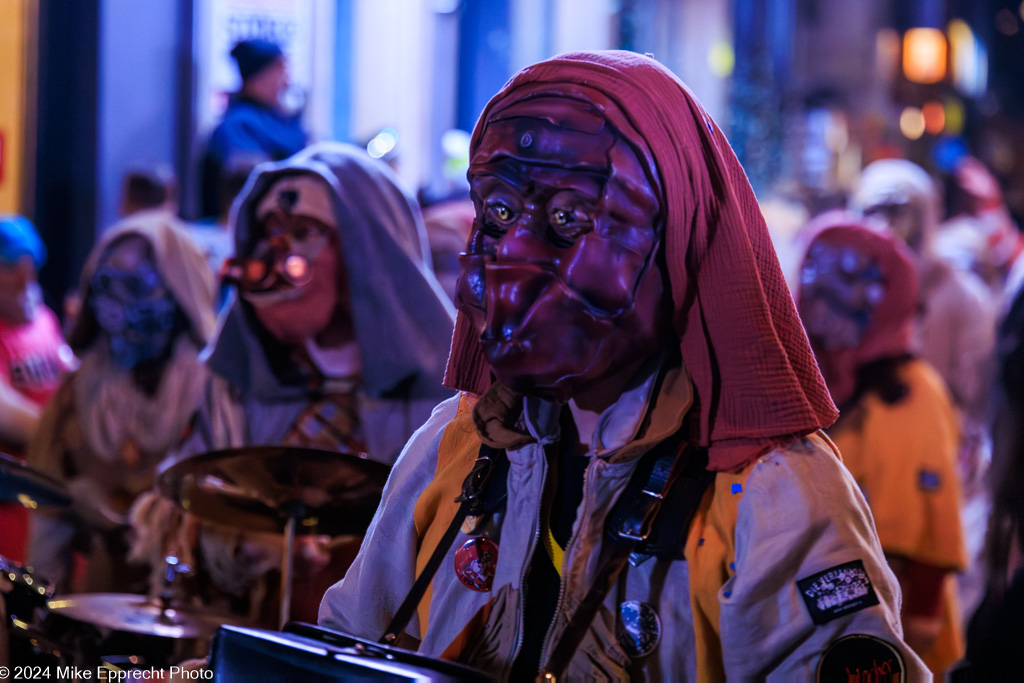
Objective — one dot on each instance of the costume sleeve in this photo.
(363, 603)
(808, 571)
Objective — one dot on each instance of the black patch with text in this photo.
(838, 591)
(861, 658)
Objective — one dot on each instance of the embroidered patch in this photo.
(638, 628)
(475, 563)
(861, 658)
(928, 480)
(836, 592)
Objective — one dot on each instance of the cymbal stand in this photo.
(296, 511)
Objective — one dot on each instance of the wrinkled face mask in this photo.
(131, 302)
(841, 287)
(560, 274)
(281, 262)
(293, 276)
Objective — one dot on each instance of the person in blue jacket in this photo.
(255, 125)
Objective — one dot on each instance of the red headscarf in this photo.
(756, 383)
(891, 330)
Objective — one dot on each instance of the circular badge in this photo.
(475, 563)
(638, 629)
(861, 657)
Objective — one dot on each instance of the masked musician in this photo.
(654, 497)
(335, 337)
(147, 312)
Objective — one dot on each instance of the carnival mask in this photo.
(841, 287)
(132, 303)
(293, 275)
(560, 274)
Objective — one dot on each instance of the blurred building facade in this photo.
(809, 90)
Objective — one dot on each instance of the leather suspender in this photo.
(473, 501)
(651, 518)
(633, 524)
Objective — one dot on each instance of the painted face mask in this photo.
(293, 276)
(560, 273)
(840, 289)
(132, 304)
(283, 260)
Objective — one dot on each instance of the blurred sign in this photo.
(289, 23)
(220, 24)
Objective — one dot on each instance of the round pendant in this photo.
(638, 629)
(475, 563)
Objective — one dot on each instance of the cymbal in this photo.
(23, 484)
(137, 614)
(258, 488)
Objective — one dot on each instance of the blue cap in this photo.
(18, 237)
(255, 55)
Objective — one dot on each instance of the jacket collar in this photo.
(651, 409)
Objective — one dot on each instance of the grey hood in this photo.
(179, 262)
(403, 321)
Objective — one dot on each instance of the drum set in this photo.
(281, 490)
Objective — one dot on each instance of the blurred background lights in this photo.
(887, 53)
(934, 117)
(968, 59)
(954, 116)
(382, 143)
(455, 149)
(455, 143)
(912, 123)
(1007, 23)
(924, 55)
(837, 136)
(721, 59)
(948, 153)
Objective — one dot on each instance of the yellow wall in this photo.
(13, 67)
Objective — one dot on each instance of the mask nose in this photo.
(510, 294)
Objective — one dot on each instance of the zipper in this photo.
(545, 650)
(521, 607)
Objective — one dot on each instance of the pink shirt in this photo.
(31, 357)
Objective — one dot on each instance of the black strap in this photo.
(631, 523)
(473, 501)
(667, 536)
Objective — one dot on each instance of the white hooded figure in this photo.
(957, 313)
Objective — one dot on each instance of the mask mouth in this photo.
(271, 297)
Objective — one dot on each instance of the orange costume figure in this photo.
(898, 432)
